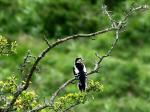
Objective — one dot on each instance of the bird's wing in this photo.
(84, 69)
(76, 72)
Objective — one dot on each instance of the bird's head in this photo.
(79, 60)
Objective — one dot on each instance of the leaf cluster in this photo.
(6, 47)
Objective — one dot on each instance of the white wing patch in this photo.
(76, 70)
(84, 68)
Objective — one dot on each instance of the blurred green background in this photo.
(125, 75)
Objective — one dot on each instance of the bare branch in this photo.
(121, 24)
(25, 61)
(143, 7)
(100, 59)
(104, 7)
(46, 41)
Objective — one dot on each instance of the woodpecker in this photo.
(80, 74)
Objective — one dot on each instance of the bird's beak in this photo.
(82, 60)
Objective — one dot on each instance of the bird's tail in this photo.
(82, 86)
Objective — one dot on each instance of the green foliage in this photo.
(7, 48)
(70, 99)
(64, 17)
(57, 18)
(27, 100)
(94, 86)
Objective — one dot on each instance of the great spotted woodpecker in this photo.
(80, 74)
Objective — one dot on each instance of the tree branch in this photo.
(104, 7)
(129, 13)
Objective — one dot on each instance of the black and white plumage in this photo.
(80, 74)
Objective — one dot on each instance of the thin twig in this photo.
(104, 7)
(25, 61)
(46, 40)
(143, 7)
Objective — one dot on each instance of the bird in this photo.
(80, 74)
